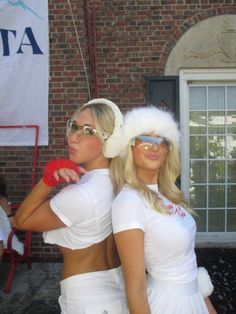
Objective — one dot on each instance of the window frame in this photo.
(187, 77)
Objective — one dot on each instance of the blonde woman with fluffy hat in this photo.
(153, 227)
(78, 218)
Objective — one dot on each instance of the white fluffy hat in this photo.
(112, 145)
(149, 119)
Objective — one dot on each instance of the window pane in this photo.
(198, 171)
(198, 196)
(216, 196)
(197, 147)
(231, 220)
(216, 147)
(216, 220)
(197, 98)
(216, 97)
(231, 122)
(231, 196)
(197, 122)
(231, 171)
(216, 171)
(201, 220)
(231, 146)
(231, 97)
(216, 122)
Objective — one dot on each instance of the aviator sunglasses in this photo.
(86, 130)
(147, 141)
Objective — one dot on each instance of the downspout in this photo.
(90, 23)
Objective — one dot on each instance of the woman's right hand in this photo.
(68, 175)
(60, 171)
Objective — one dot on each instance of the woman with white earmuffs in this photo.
(78, 218)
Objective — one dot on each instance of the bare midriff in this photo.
(97, 257)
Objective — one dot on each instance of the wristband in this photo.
(52, 166)
(204, 282)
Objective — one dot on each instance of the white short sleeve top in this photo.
(85, 209)
(169, 240)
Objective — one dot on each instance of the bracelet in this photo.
(10, 215)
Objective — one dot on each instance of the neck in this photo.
(148, 176)
(99, 163)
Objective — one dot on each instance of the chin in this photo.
(75, 160)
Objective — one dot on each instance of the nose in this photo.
(153, 146)
(74, 137)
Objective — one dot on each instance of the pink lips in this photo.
(152, 156)
(71, 150)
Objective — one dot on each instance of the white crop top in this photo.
(85, 209)
(169, 240)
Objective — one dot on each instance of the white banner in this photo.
(24, 71)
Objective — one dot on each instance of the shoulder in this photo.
(128, 192)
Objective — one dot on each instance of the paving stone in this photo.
(37, 291)
(221, 265)
(34, 291)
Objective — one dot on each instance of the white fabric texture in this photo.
(146, 120)
(6, 228)
(24, 64)
(168, 298)
(93, 293)
(1, 235)
(204, 282)
(85, 209)
(168, 247)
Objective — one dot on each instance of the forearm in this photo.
(210, 306)
(138, 303)
(38, 195)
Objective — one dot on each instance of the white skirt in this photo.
(98, 292)
(1, 235)
(167, 298)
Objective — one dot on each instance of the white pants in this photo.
(171, 298)
(98, 292)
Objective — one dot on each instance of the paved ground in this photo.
(36, 291)
(221, 264)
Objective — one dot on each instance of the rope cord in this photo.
(81, 53)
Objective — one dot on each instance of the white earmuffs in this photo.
(112, 145)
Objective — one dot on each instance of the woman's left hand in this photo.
(210, 306)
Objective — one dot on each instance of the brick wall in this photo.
(133, 39)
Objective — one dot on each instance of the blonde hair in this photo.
(168, 174)
(103, 116)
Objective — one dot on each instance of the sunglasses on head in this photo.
(149, 140)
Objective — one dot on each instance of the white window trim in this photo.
(187, 76)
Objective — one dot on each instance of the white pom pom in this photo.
(204, 282)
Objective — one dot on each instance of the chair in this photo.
(14, 258)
